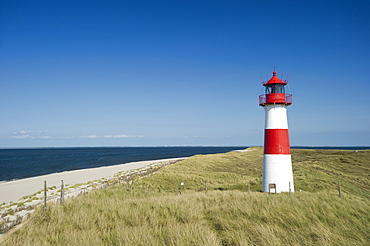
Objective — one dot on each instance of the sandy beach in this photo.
(19, 198)
(15, 190)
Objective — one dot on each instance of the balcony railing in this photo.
(275, 98)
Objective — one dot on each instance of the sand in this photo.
(15, 190)
(16, 204)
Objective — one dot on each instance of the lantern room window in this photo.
(275, 89)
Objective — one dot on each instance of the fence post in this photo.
(249, 188)
(62, 193)
(45, 194)
(289, 189)
(206, 188)
(339, 190)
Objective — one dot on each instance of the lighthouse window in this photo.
(275, 89)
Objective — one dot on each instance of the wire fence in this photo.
(22, 211)
(13, 214)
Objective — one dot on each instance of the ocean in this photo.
(24, 163)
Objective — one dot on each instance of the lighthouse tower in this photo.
(277, 162)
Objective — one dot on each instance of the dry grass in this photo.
(197, 218)
(318, 170)
(227, 171)
(121, 215)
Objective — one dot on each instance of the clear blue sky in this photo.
(149, 73)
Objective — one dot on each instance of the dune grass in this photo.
(150, 211)
(215, 218)
(227, 171)
(317, 170)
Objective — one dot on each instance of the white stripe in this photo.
(276, 116)
(277, 169)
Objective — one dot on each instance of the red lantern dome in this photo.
(275, 92)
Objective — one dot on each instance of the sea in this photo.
(25, 163)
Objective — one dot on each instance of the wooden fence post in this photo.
(249, 188)
(45, 194)
(62, 193)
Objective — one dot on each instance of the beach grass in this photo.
(214, 207)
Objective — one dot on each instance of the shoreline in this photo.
(12, 191)
(19, 198)
(22, 163)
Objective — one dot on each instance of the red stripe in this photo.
(277, 141)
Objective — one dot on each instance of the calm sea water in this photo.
(23, 163)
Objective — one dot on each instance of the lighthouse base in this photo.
(277, 169)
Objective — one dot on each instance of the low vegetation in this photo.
(214, 206)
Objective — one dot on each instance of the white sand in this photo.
(14, 190)
(241, 150)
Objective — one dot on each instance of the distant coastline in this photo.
(332, 147)
(193, 146)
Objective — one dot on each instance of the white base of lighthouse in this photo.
(277, 169)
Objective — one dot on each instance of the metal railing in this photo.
(272, 98)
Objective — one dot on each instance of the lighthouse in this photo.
(277, 173)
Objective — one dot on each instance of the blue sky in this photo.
(154, 73)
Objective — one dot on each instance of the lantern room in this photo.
(275, 92)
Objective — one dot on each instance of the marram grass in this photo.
(199, 218)
(151, 211)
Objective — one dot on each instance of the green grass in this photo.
(225, 214)
(227, 171)
(316, 170)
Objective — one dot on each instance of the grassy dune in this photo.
(215, 208)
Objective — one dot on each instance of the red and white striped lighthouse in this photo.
(277, 162)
